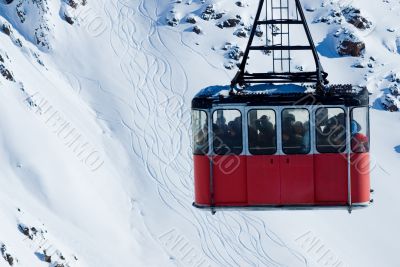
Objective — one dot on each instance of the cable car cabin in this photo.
(294, 150)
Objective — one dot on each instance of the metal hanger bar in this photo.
(281, 47)
(279, 21)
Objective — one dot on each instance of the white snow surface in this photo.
(95, 140)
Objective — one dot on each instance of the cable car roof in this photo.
(282, 95)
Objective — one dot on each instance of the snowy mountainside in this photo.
(96, 163)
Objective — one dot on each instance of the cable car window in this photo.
(330, 130)
(262, 132)
(295, 131)
(227, 132)
(200, 132)
(359, 124)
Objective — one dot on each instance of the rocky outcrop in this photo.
(6, 255)
(210, 13)
(4, 71)
(354, 17)
(351, 48)
(391, 94)
(349, 44)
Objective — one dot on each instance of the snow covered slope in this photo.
(96, 166)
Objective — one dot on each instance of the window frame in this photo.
(212, 130)
(208, 133)
(316, 131)
(275, 131)
(309, 131)
(367, 128)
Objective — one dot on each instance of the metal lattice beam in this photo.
(318, 76)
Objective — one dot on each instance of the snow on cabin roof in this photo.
(216, 91)
(282, 94)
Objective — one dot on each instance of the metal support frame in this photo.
(211, 161)
(212, 199)
(348, 141)
(318, 76)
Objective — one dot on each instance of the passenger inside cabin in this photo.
(221, 123)
(287, 129)
(321, 121)
(227, 137)
(218, 136)
(295, 134)
(201, 140)
(234, 137)
(359, 141)
(335, 132)
(253, 136)
(266, 135)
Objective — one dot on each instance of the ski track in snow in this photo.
(159, 139)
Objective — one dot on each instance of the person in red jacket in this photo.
(359, 141)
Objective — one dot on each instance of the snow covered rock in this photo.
(259, 32)
(173, 18)
(242, 33)
(6, 255)
(229, 65)
(398, 44)
(391, 102)
(197, 29)
(353, 16)
(350, 45)
(210, 13)
(394, 89)
(4, 71)
(333, 16)
(338, 14)
(191, 19)
(33, 21)
(234, 51)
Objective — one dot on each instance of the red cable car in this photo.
(278, 144)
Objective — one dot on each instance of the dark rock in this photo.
(235, 53)
(229, 23)
(394, 89)
(353, 16)
(241, 33)
(6, 29)
(6, 256)
(72, 3)
(21, 12)
(191, 19)
(46, 258)
(6, 73)
(351, 48)
(390, 103)
(394, 77)
(239, 4)
(210, 13)
(359, 65)
(69, 19)
(259, 32)
(197, 29)
(173, 21)
(26, 231)
(34, 230)
(9, 259)
(229, 65)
